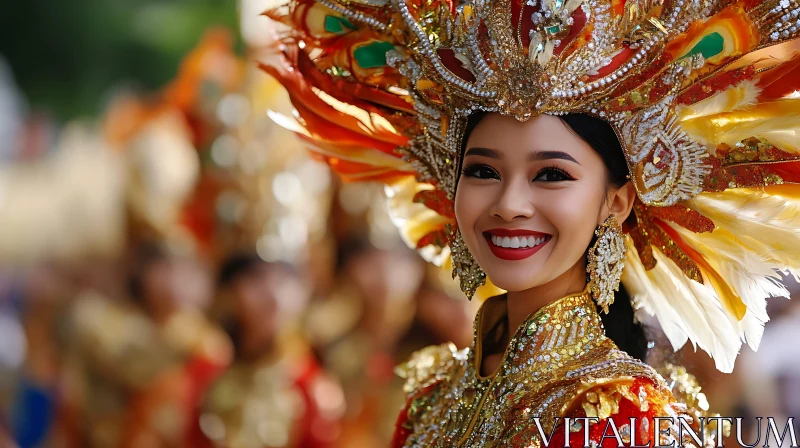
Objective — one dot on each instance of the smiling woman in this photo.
(558, 192)
(555, 149)
(529, 215)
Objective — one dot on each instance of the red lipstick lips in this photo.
(508, 253)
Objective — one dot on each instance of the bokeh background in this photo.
(177, 271)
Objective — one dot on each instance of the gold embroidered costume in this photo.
(558, 364)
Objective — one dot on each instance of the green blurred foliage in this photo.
(67, 55)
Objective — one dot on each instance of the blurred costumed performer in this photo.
(556, 148)
(127, 361)
(274, 371)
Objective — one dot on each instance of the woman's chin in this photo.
(516, 275)
(511, 282)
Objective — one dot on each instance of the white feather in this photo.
(751, 276)
(765, 223)
(684, 306)
(752, 330)
(645, 293)
(757, 236)
(741, 96)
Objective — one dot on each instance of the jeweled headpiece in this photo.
(707, 116)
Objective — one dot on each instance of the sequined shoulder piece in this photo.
(602, 385)
(430, 365)
(616, 363)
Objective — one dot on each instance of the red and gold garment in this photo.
(279, 400)
(558, 364)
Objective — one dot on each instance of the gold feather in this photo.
(777, 122)
(414, 219)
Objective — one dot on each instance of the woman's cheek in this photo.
(572, 212)
(467, 207)
(574, 216)
(472, 202)
(564, 206)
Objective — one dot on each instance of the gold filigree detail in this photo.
(429, 365)
(687, 390)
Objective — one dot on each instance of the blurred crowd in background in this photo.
(176, 270)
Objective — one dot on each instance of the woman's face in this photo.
(529, 198)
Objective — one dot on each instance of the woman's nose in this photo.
(513, 203)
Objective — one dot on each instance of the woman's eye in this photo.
(480, 172)
(552, 175)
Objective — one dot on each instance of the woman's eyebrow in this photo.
(546, 155)
(485, 152)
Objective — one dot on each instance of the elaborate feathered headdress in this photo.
(708, 123)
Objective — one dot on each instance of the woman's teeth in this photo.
(517, 242)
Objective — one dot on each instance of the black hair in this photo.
(242, 264)
(352, 247)
(236, 266)
(620, 325)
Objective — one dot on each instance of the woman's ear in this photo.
(621, 202)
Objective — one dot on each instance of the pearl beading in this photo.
(432, 57)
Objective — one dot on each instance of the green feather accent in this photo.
(372, 55)
(338, 25)
(709, 46)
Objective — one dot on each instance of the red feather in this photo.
(781, 80)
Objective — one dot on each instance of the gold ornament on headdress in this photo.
(708, 125)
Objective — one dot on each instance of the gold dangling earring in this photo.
(606, 260)
(465, 267)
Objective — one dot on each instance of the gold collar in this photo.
(546, 339)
